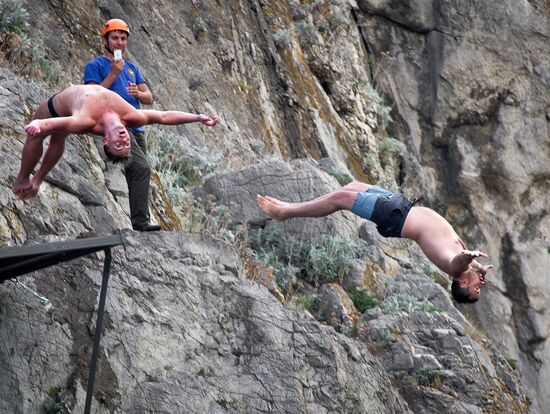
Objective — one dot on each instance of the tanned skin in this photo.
(118, 40)
(435, 236)
(85, 109)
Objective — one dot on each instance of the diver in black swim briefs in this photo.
(396, 216)
(51, 108)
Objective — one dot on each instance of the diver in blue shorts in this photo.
(396, 216)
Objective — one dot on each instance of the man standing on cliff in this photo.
(124, 78)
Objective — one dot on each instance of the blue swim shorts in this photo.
(365, 201)
(386, 209)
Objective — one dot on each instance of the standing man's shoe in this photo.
(148, 227)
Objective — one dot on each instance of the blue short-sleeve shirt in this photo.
(97, 70)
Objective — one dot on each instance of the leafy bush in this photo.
(388, 149)
(178, 163)
(223, 403)
(13, 16)
(26, 55)
(54, 403)
(383, 335)
(326, 259)
(513, 363)
(363, 299)
(429, 271)
(403, 302)
(376, 103)
(429, 377)
(305, 302)
(307, 34)
(342, 178)
(244, 86)
(199, 28)
(331, 257)
(283, 39)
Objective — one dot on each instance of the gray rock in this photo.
(472, 114)
(295, 182)
(201, 339)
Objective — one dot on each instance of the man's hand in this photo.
(132, 89)
(116, 67)
(470, 255)
(461, 262)
(33, 129)
(481, 269)
(205, 120)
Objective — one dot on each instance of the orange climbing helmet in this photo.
(115, 24)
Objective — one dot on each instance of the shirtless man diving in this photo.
(82, 109)
(396, 216)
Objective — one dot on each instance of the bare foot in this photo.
(28, 193)
(21, 185)
(270, 208)
(275, 201)
(25, 189)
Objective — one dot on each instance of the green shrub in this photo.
(429, 377)
(383, 335)
(199, 28)
(403, 302)
(179, 164)
(337, 20)
(429, 271)
(223, 403)
(375, 102)
(208, 218)
(13, 16)
(25, 55)
(342, 178)
(363, 299)
(307, 34)
(306, 302)
(283, 39)
(54, 403)
(331, 258)
(512, 362)
(388, 149)
(325, 259)
(244, 86)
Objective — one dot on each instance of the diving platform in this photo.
(18, 261)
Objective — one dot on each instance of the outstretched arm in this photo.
(462, 260)
(40, 128)
(172, 118)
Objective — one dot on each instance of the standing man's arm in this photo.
(140, 91)
(92, 73)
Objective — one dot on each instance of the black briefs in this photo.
(51, 108)
(389, 214)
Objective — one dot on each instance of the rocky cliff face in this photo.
(475, 109)
(468, 89)
(183, 334)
